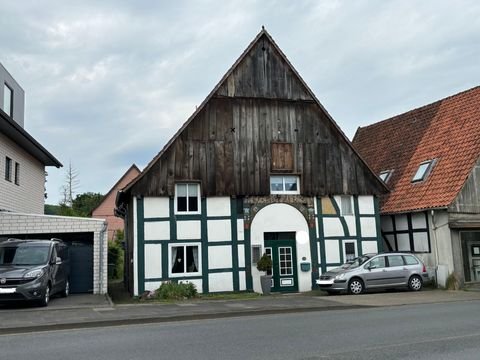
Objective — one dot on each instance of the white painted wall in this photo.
(281, 218)
(154, 207)
(332, 226)
(369, 247)
(152, 285)
(240, 230)
(153, 261)
(219, 257)
(220, 282)
(189, 230)
(366, 205)
(219, 230)
(157, 230)
(332, 251)
(197, 282)
(242, 281)
(218, 206)
(241, 255)
(368, 226)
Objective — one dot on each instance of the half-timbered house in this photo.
(260, 167)
(429, 157)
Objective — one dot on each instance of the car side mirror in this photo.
(58, 260)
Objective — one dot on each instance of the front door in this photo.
(471, 255)
(281, 247)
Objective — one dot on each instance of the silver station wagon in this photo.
(376, 271)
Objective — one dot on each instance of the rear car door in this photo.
(397, 271)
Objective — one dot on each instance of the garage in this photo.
(86, 239)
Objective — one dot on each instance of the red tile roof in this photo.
(447, 130)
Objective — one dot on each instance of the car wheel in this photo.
(355, 286)
(415, 283)
(46, 297)
(66, 289)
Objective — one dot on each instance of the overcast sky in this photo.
(109, 82)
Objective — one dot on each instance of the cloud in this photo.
(108, 83)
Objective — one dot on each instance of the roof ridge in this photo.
(394, 117)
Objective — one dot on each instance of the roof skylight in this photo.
(423, 170)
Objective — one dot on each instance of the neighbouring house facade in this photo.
(106, 209)
(260, 167)
(430, 159)
(22, 196)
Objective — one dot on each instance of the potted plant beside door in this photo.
(265, 264)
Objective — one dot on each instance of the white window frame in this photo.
(184, 245)
(259, 247)
(344, 198)
(198, 200)
(296, 192)
(344, 249)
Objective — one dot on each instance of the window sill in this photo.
(184, 275)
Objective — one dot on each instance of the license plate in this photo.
(7, 290)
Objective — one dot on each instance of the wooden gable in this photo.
(227, 143)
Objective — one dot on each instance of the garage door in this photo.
(81, 267)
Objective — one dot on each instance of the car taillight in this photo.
(424, 269)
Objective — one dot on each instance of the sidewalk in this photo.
(100, 312)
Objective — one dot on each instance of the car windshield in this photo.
(355, 262)
(24, 255)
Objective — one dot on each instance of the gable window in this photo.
(185, 259)
(346, 205)
(7, 100)
(17, 173)
(8, 169)
(284, 184)
(187, 198)
(385, 175)
(423, 170)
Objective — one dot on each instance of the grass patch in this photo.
(230, 296)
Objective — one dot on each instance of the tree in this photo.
(85, 203)
(68, 190)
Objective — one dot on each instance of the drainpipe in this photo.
(100, 256)
(434, 228)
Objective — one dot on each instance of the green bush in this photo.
(265, 263)
(115, 260)
(176, 291)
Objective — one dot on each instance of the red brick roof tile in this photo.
(447, 130)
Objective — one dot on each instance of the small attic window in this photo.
(423, 170)
(385, 175)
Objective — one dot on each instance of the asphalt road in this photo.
(434, 331)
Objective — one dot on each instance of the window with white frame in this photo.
(187, 198)
(8, 169)
(17, 173)
(7, 100)
(284, 184)
(346, 205)
(349, 250)
(185, 259)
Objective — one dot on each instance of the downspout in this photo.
(100, 255)
(434, 233)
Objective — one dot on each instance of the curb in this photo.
(175, 318)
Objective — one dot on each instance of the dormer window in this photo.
(423, 170)
(385, 175)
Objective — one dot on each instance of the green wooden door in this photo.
(284, 258)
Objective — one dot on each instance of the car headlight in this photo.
(34, 274)
(340, 276)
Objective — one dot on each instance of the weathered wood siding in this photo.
(227, 146)
(468, 200)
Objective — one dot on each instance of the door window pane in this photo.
(378, 263)
(285, 264)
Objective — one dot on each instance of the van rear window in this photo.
(410, 260)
